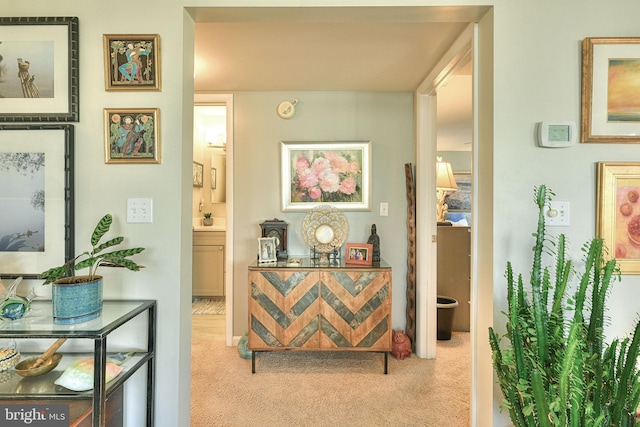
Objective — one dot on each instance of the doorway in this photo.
(482, 373)
(213, 128)
(477, 42)
(454, 137)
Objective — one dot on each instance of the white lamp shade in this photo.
(444, 177)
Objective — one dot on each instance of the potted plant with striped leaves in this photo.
(78, 298)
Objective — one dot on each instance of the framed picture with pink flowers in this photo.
(131, 135)
(336, 173)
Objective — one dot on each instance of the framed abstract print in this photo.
(611, 90)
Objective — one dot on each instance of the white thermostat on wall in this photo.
(556, 134)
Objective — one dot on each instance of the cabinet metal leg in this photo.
(386, 362)
(253, 362)
(99, 382)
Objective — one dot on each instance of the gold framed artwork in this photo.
(618, 212)
(611, 90)
(131, 62)
(131, 135)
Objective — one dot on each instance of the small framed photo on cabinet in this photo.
(267, 250)
(359, 253)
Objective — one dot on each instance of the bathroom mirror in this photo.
(210, 137)
(218, 172)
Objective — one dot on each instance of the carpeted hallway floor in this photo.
(329, 388)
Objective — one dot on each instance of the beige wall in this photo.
(536, 77)
(101, 188)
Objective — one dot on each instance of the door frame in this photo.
(477, 41)
(426, 149)
(227, 99)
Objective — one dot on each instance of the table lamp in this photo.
(445, 183)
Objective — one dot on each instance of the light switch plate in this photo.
(557, 214)
(384, 209)
(139, 210)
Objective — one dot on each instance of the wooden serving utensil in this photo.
(47, 354)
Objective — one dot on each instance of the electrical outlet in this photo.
(557, 214)
(384, 209)
(139, 210)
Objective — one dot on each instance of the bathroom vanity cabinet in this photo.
(208, 263)
(334, 307)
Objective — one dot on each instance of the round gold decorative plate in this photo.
(324, 228)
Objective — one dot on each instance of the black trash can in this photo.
(446, 310)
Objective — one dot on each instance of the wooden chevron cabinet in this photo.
(320, 308)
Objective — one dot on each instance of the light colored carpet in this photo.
(208, 306)
(330, 388)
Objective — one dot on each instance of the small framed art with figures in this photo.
(131, 62)
(131, 135)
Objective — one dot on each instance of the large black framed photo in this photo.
(36, 198)
(39, 69)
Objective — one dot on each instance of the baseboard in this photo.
(236, 340)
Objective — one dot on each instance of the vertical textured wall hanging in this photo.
(411, 254)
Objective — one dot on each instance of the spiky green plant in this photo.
(94, 258)
(557, 369)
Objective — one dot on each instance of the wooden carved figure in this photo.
(401, 345)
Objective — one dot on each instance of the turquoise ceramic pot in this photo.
(243, 347)
(76, 302)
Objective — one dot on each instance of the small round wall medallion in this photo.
(287, 109)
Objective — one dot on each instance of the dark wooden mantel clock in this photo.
(278, 229)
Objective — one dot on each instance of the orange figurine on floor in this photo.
(400, 345)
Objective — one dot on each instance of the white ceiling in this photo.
(455, 114)
(331, 49)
